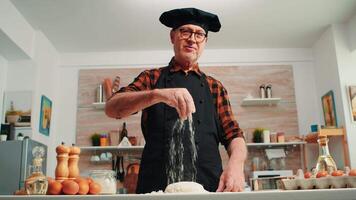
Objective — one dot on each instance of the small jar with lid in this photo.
(106, 179)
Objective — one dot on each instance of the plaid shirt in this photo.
(148, 78)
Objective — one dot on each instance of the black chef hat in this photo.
(178, 17)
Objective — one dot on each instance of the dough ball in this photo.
(185, 187)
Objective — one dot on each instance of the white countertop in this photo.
(320, 194)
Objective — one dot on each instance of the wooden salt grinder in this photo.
(73, 162)
(62, 171)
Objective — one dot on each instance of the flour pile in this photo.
(175, 167)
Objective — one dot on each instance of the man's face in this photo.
(188, 43)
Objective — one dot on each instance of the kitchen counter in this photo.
(327, 194)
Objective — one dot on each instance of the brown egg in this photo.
(70, 187)
(90, 180)
(54, 188)
(94, 188)
(322, 174)
(352, 172)
(337, 173)
(307, 175)
(83, 187)
(50, 179)
(78, 179)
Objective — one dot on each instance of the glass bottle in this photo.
(37, 182)
(325, 161)
(123, 132)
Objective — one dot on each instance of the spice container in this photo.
(262, 91)
(269, 91)
(100, 94)
(106, 179)
(266, 136)
(273, 137)
(280, 137)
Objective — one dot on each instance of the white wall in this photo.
(351, 27)
(335, 67)
(46, 83)
(3, 72)
(347, 67)
(21, 75)
(327, 78)
(16, 32)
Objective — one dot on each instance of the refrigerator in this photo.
(15, 159)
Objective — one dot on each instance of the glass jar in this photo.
(106, 179)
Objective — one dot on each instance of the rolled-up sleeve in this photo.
(226, 117)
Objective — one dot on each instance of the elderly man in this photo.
(181, 90)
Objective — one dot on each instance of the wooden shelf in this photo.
(260, 102)
(99, 105)
(114, 149)
(274, 144)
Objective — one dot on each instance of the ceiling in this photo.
(132, 25)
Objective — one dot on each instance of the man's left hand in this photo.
(231, 180)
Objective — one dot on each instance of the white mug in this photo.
(3, 137)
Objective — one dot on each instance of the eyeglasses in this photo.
(187, 33)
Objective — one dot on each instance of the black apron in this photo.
(159, 123)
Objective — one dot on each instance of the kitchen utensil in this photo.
(120, 166)
(131, 177)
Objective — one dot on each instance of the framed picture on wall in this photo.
(45, 115)
(352, 98)
(328, 104)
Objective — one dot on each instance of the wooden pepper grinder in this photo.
(73, 162)
(62, 171)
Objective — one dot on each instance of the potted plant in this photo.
(258, 135)
(95, 139)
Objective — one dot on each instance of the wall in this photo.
(15, 32)
(327, 78)
(3, 72)
(346, 64)
(21, 75)
(351, 33)
(46, 83)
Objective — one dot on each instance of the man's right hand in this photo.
(178, 98)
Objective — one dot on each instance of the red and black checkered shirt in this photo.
(148, 78)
